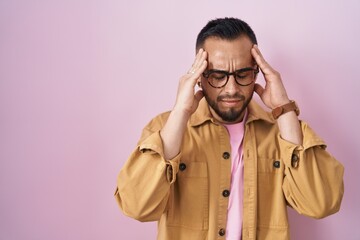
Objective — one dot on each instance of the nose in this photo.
(231, 86)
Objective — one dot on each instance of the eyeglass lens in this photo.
(219, 78)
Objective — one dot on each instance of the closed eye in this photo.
(218, 76)
(242, 75)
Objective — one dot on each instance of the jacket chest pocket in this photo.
(189, 201)
(272, 210)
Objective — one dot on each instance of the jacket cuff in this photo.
(292, 154)
(153, 145)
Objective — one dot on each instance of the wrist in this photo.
(285, 108)
(280, 102)
(181, 113)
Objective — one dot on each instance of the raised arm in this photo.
(143, 186)
(313, 182)
(274, 95)
(186, 103)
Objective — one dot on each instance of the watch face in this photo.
(291, 106)
(277, 112)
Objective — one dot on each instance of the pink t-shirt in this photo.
(235, 208)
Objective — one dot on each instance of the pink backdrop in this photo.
(79, 79)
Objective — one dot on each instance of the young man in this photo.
(220, 167)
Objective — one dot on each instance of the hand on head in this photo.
(274, 93)
(186, 100)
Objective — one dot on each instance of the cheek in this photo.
(250, 91)
(251, 88)
(204, 85)
(207, 89)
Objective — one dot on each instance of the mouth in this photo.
(231, 102)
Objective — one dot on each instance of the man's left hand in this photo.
(274, 93)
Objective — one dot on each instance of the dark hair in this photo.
(225, 28)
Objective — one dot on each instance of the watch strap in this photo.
(288, 107)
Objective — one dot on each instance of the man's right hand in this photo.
(187, 101)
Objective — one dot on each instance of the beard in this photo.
(231, 115)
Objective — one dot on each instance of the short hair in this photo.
(226, 29)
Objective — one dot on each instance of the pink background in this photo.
(79, 80)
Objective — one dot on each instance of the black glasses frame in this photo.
(228, 74)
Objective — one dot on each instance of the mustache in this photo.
(236, 96)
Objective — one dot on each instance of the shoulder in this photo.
(158, 121)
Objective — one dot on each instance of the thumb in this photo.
(259, 89)
(198, 95)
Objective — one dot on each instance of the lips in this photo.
(228, 98)
(231, 102)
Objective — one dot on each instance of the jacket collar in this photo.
(203, 114)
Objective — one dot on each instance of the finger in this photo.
(200, 69)
(263, 65)
(201, 66)
(198, 58)
(197, 61)
(194, 76)
(258, 89)
(191, 79)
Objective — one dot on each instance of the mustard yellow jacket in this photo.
(185, 194)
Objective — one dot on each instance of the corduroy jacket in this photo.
(185, 194)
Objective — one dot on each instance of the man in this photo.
(220, 167)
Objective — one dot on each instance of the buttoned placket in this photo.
(225, 178)
(250, 184)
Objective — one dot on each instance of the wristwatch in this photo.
(291, 106)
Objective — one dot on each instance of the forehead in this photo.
(225, 54)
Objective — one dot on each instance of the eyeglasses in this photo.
(219, 78)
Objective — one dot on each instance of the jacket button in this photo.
(222, 232)
(226, 193)
(294, 158)
(182, 166)
(277, 164)
(226, 155)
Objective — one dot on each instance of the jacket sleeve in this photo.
(313, 183)
(143, 184)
